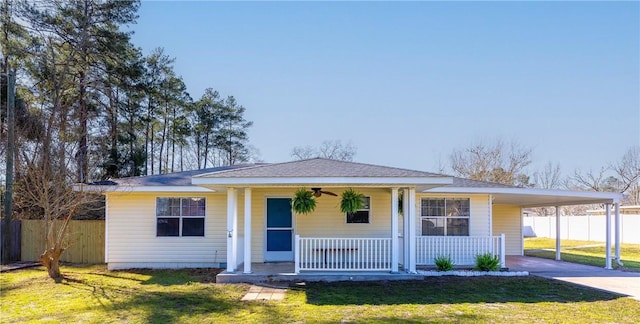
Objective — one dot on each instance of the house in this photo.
(236, 216)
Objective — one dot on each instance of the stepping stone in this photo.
(264, 293)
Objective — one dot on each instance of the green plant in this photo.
(351, 201)
(303, 201)
(443, 263)
(487, 262)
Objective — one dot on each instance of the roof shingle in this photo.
(318, 167)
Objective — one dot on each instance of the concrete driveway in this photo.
(621, 282)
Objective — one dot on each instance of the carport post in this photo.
(558, 233)
(618, 238)
(607, 264)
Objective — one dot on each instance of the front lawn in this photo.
(585, 252)
(93, 294)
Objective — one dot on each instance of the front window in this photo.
(180, 216)
(445, 216)
(362, 215)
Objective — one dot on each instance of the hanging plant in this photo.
(303, 201)
(351, 201)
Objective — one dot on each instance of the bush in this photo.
(443, 263)
(487, 262)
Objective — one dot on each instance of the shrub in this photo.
(487, 262)
(443, 263)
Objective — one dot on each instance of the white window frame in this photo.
(182, 217)
(445, 217)
(368, 210)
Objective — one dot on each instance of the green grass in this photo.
(585, 252)
(95, 295)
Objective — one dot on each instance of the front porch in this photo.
(365, 259)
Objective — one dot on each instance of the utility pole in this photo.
(8, 201)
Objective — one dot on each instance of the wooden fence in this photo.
(14, 254)
(85, 239)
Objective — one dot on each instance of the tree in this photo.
(87, 34)
(549, 177)
(329, 149)
(232, 138)
(627, 171)
(593, 180)
(45, 189)
(205, 118)
(495, 162)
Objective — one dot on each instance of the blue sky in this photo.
(408, 82)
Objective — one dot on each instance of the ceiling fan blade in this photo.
(329, 193)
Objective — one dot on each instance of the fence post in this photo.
(296, 253)
(502, 251)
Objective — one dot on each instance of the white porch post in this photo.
(607, 264)
(406, 224)
(412, 230)
(247, 230)
(503, 250)
(558, 258)
(296, 255)
(618, 238)
(394, 230)
(232, 224)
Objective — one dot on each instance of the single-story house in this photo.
(236, 216)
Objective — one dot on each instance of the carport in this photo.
(538, 198)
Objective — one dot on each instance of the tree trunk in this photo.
(50, 259)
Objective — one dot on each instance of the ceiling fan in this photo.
(317, 192)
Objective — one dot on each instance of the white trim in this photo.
(490, 214)
(412, 230)
(617, 234)
(394, 230)
(607, 263)
(324, 180)
(405, 232)
(527, 191)
(560, 197)
(558, 221)
(232, 216)
(247, 230)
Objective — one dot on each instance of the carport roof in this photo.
(533, 197)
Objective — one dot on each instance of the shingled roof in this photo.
(169, 179)
(318, 168)
(311, 168)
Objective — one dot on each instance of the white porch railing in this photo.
(342, 254)
(461, 249)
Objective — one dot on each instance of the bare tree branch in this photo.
(495, 163)
(329, 149)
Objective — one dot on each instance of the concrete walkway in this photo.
(616, 281)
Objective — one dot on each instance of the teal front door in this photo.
(279, 231)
